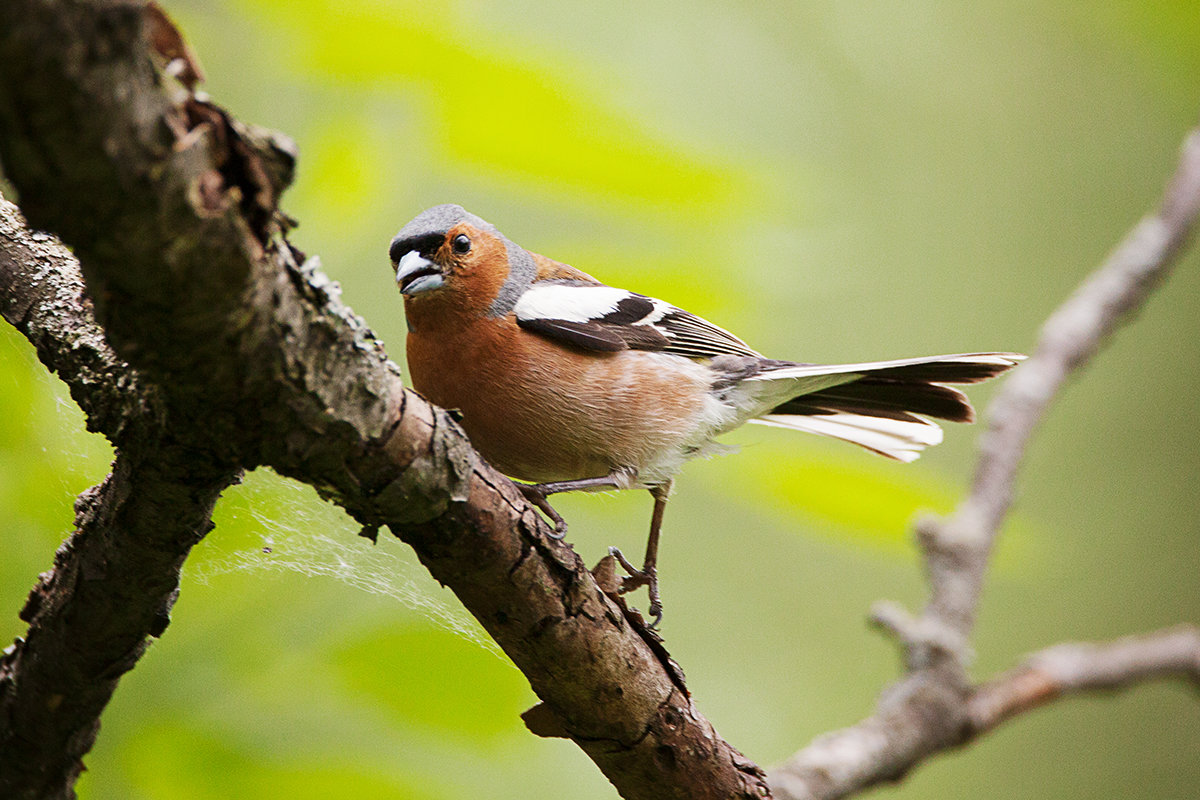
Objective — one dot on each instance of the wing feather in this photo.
(604, 319)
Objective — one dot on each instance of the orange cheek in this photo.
(481, 274)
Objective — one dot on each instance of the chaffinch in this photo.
(570, 384)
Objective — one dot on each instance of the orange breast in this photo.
(541, 412)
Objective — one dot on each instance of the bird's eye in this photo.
(461, 243)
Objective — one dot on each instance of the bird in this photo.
(568, 384)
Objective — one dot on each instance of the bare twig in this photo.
(957, 548)
(1073, 668)
(920, 716)
(933, 708)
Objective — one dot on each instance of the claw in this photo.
(625, 565)
(536, 495)
(637, 578)
(656, 612)
(656, 609)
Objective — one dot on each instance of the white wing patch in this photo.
(617, 319)
(569, 303)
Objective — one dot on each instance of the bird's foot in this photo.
(646, 576)
(535, 494)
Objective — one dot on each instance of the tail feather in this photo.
(885, 397)
(974, 368)
(959, 368)
(876, 405)
(902, 440)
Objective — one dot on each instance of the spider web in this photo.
(277, 525)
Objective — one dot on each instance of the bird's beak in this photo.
(416, 274)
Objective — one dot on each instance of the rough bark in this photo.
(170, 206)
(115, 579)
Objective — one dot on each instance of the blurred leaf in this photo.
(183, 762)
(497, 109)
(42, 460)
(854, 497)
(434, 679)
(866, 498)
(343, 153)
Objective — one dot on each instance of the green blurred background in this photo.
(833, 180)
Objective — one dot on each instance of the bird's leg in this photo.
(648, 574)
(537, 493)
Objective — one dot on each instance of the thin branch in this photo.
(42, 296)
(918, 717)
(957, 549)
(933, 708)
(1074, 668)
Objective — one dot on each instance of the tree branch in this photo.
(42, 296)
(115, 579)
(1074, 668)
(957, 549)
(258, 362)
(933, 707)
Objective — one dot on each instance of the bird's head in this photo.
(448, 258)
